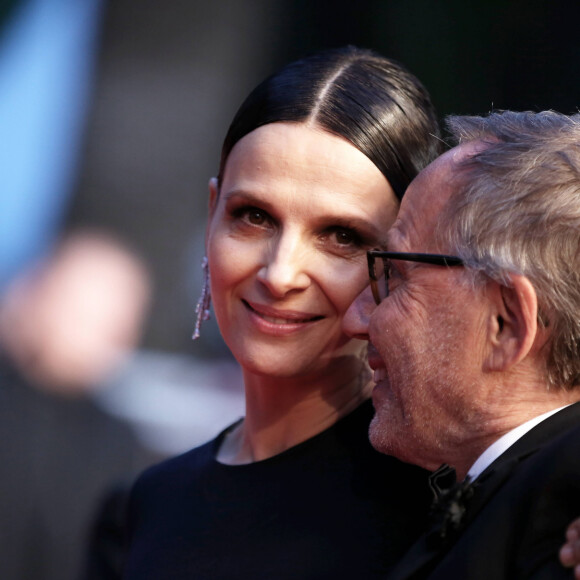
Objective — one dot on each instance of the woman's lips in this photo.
(274, 316)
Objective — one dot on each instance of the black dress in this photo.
(330, 507)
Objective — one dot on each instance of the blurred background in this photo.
(112, 116)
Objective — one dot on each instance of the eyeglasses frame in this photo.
(433, 259)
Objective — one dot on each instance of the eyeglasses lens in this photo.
(382, 269)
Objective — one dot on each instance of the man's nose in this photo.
(286, 266)
(356, 319)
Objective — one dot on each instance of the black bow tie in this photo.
(442, 481)
(451, 499)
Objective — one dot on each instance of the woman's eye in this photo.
(345, 237)
(256, 217)
(251, 215)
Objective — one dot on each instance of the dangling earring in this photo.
(204, 302)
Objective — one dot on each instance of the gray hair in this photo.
(517, 210)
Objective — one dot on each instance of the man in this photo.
(476, 353)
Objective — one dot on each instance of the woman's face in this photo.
(286, 243)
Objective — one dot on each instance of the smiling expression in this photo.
(426, 345)
(286, 241)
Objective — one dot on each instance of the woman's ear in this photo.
(213, 196)
(212, 205)
(514, 322)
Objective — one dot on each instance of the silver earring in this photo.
(204, 302)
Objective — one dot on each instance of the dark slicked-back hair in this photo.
(369, 100)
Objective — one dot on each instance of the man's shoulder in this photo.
(521, 508)
(563, 425)
(556, 464)
(543, 467)
(550, 448)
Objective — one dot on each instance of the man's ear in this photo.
(212, 204)
(513, 323)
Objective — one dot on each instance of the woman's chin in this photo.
(277, 367)
(302, 363)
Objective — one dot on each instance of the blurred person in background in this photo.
(70, 321)
(65, 326)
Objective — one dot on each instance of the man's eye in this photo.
(393, 275)
(387, 268)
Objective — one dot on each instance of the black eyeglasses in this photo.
(380, 267)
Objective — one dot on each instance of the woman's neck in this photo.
(281, 413)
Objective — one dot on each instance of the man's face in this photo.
(426, 343)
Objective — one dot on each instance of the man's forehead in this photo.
(425, 199)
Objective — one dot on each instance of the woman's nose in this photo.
(356, 320)
(286, 267)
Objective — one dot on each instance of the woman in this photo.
(312, 171)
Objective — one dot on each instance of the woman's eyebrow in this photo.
(243, 194)
(352, 222)
(247, 197)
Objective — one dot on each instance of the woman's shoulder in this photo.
(187, 465)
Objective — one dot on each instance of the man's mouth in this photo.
(376, 363)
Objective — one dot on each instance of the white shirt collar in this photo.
(505, 442)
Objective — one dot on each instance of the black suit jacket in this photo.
(515, 520)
